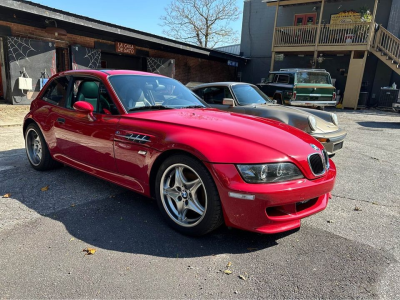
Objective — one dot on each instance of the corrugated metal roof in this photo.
(233, 49)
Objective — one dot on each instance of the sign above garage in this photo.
(125, 48)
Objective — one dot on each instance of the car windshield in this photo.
(313, 77)
(248, 94)
(140, 92)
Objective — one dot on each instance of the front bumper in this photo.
(396, 107)
(332, 141)
(312, 103)
(277, 207)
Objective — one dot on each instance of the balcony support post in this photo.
(372, 26)
(318, 32)
(273, 38)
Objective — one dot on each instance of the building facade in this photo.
(355, 40)
(37, 41)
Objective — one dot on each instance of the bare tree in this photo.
(201, 22)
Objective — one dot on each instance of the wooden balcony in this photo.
(332, 37)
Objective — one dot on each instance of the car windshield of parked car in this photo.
(313, 77)
(139, 92)
(248, 94)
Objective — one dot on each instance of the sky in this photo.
(143, 15)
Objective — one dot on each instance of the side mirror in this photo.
(84, 107)
(228, 101)
(274, 102)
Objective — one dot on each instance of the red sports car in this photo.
(204, 166)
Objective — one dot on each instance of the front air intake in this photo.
(317, 164)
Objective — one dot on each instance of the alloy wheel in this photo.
(183, 195)
(33, 147)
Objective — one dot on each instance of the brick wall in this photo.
(187, 68)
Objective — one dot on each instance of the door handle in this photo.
(61, 121)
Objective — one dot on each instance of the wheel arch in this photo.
(279, 94)
(27, 123)
(160, 159)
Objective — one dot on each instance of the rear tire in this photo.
(37, 151)
(187, 196)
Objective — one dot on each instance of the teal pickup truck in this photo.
(300, 87)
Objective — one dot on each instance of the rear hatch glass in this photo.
(313, 77)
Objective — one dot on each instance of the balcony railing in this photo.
(330, 35)
(295, 35)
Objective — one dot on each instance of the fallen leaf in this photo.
(227, 272)
(244, 277)
(229, 264)
(45, 188)
(89, 251)
(357, 208)
(71, 239)
(73, 204)
(330, 221)
(374, 203)
(7, 195)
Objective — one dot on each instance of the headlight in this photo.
(269, 172)
(312, 122)
(335, 119)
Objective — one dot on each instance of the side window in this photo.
(93, 92)
(227, 93)
(57, 91)
(271, 78)
(199, 93)
(283, 79)
(106, 105)
(213, 95)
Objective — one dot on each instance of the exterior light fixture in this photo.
(55, 30)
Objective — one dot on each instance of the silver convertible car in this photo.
(248, 99)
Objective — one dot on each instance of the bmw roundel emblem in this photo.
(314, 147)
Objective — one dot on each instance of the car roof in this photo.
(107, 72)
(295, 70)
(223, 83)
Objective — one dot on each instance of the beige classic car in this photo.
(248, 99)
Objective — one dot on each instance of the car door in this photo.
(270, 87)
(85, 139)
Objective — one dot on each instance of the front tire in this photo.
(187, 196)
(37, 151)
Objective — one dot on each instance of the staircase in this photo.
(386, 47)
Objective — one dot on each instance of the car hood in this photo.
(293, 116)
(222, 137)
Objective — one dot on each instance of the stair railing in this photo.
(388, 44)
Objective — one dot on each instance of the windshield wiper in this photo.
(193, 106)
(149, 107)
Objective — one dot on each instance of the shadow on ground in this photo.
(381, 125)
(111, 217)
(131, 223)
